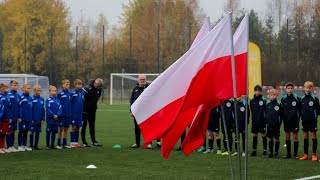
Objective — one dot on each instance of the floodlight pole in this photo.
(234, 79)
(25, 50)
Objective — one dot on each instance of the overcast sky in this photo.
(112, 8)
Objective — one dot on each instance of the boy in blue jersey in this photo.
(25, 113)
(274, 119)
(4, 120)
(65, 99)
(77, 97)
(309, 113)
(14, 111)
(53, 112)
(257, 107)
(241, 114)
(37, 117)
(291, 107)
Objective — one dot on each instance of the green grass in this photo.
(115, 126)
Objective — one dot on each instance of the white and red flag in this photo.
(201, 76)
(197, 132)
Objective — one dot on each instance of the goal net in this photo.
(121, 85)
(43, 81)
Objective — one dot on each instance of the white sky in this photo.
(112, 9)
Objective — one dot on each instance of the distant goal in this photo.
(121, 85)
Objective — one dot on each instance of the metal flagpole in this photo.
(246, 116)
(227, 138)
(235, 96)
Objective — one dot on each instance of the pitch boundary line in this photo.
(310, 177)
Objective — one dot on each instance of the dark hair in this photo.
(289, 84)
(257, 88)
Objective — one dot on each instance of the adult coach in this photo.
(91, 97)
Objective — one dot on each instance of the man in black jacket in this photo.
(91, 97)
(136, 92)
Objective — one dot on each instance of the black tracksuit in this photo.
(228, 111)
(136, 92)
(257, 106)
(91, 98)
(241, 114)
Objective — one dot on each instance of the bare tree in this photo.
(232, 6)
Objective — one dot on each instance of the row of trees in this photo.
(151, 36)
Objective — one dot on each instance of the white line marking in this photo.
(311, 177)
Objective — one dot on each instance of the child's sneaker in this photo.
(219, 152)
(7, 150)
(47, 148)
(208, 151)
(202, 149)
(2, 151)
(234, 154)
(21, 149)
(59, 147)
(28, 148)
(66, 147)
(243, 154)
(73, 145)
(14, 149)
(225, 153)
(304, 157)
(149, 146)
(314, 158)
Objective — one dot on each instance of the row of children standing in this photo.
(27, 114)
(267, 118)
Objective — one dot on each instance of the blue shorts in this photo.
(76, 119)
(52, 128)
(64, 122)
(13, 126)
(35, 128)
(25, 126)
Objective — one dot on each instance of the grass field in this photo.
(115, 126)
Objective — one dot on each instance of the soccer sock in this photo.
(8, 140)
(314, 146)
(31, 139)
(288, 143)
(225, 143)
(295, 148)
(20, 138)
(255, 143)
(204, 142)
(53, 138)
(13, 137)
(24, 138)
(77, 136)
(219, 144)
(277, 145)
(271, 147)
(306, 146)
(2, 141)
(36, 139)
(264, 139)
(48, 139)
(72, 137)
(59, 142)
(64, 141)
(210, 144)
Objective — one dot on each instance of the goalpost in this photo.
(121, 85)
(31, 79)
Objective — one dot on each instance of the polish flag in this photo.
(197, 131)
(201, 76)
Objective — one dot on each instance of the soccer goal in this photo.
(43, 81)
(121, 85)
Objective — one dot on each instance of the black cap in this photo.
(257, 88)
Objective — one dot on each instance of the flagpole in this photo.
(247, 117)
(227, 139)
(234, 79)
